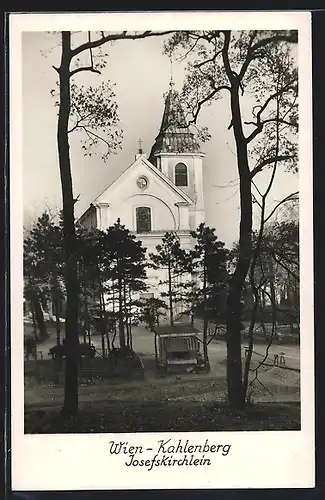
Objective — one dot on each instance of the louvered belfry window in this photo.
(181, 174)
(143, 216)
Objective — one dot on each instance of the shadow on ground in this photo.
(159, 417)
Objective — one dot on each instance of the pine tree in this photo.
(176, 262)
(126, 258)
(209, 265)
(152, 310)
(43, 260)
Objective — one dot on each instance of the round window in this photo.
(142, 182)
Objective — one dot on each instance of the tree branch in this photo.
(90, 51)
(85, 68)
(91, 133)
(258, 130)
(118, 36)
(79, 120)
(290, 197)
(203, 101)
(292, 38)
(73, 128)
(272, 332)
(259, 124)
(249, 56)
(278, 261)
(295, 316)
(212, 59)
(225, 57)
(272, 120)
(189, 50)
(269, 161)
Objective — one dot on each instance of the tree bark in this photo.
(57, 323)
(205, 319)
(39, 317)
(85, 330)
(106, 333)
(55, 302)
(114, 318)
(70, 406)
(102, 321)
(171, 312)
(192, 318)
(121, 322)
(87, 326)
(130, 319)
(236, 395)
(34, 320)
(273, 301)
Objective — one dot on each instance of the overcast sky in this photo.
(141, 74)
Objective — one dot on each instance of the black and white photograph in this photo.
(163, 191)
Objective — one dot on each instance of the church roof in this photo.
(177, 328)
(174, 135)
(142, 161)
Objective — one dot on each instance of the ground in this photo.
(172, 401)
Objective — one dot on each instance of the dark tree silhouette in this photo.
(209, 265)
(177, 264)
(69, 68)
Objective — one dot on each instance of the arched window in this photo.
(143, 217)
(181, 174)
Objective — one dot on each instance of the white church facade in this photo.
(157, 193)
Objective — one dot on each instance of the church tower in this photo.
(177, 154)
(159, 194)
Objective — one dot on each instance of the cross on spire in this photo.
(140, 147)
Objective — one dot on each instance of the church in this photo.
(159, 192)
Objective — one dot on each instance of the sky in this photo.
(141, 74)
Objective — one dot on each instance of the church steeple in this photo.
(174, 135)
(177, 154)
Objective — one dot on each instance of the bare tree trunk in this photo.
(170, 291)
(121, 322)
(126, 315)
(87, 321)
(234, 363)
(55, 304)
(205, 319)
(102, 321)
(130, 319)
(39, 317)
(85, 328)
(106, 333)
(103, 343)
(250, 334)
(273, 301)
(70, 406)
(34, 321)
(236, 396)
(57, 323)
(131, 340)
(114, 319)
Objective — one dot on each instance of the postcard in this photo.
(161, 250)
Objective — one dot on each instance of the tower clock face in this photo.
(142, 182)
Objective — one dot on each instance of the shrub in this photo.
(58, 351)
